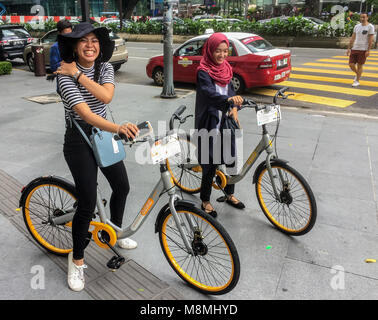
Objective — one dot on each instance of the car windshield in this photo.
(19, 32)
(258, 45)
(113, 36)
(316, 20)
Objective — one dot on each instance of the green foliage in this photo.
(293, 27)
(5, 67)
(374, 19)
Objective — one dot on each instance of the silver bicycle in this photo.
(284, 195)
(195, 245)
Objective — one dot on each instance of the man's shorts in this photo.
(357, 56)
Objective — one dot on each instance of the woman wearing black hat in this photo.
(86, 82)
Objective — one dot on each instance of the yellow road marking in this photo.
(328, 88)
(338, 72)
(331, 79)
(375, 58)
(341, 61)
(329, 65)
(339, 103)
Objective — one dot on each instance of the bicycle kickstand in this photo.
(116, 261)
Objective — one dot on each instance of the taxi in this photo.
(255, 62)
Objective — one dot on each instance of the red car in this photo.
(255, 62)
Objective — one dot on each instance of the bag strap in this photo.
(81, 131)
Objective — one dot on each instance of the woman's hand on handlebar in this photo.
(236, 100)
(128, 129)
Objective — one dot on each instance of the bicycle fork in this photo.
(270, 156)
(179, 224)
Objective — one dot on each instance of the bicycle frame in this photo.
(264, 144)
(165, 184)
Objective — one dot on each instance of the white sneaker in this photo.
(355, 83)
(127, 243)
(75, 275)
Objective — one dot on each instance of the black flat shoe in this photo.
(239, 205)
(213, 213)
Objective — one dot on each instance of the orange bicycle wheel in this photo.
(43, 201)
(213, 267)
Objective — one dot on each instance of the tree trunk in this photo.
(128, 7)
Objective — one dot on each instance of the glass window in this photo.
(259, 45)
(193, 48)
(231, 50)
(51, 37)
(20, 33)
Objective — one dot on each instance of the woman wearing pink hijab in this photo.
(215, 98)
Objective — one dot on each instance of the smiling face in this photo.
(220, 53)
(87, 49)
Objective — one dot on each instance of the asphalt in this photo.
(337, 153)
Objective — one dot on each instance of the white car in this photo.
(125, 23)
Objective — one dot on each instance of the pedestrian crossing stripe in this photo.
(338, 72)
(332, 102)
(347, 58)
(331, 79)
(328, 88)
(329, 65)
(341, 61)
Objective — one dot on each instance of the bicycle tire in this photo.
(41, 200)
(298, 210)
(184, 168)
(200, 271)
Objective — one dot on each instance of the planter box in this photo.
(152, 37)
(279, 41)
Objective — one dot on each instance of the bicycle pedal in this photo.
(115, 263)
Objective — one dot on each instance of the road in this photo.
(323, 148)
(320, 79)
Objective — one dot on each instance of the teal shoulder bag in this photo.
(106, 149)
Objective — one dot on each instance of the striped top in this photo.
(73, 93)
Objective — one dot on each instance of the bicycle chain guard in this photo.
(222, 180)
(97, 231)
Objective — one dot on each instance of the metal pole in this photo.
(120, 14)
(84, 10)
(168, 87)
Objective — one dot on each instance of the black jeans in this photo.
(208, 173)
(82, 164)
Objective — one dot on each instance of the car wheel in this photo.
(158, 76)
(30, 62)
(116, 67)
(238, 84)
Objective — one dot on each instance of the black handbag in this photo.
(231, 124)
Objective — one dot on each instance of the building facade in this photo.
(57, 7)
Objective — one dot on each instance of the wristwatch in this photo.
(77, 75)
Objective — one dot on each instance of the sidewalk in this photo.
(337, 154)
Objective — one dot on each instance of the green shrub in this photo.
(374, 19)
(293, 27)
(5, 67)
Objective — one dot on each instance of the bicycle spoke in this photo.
(214, 267)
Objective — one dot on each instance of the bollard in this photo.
(39, 60)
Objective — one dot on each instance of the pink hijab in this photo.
(220, 73)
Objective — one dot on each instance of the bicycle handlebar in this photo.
(175, 116)
(247, 103)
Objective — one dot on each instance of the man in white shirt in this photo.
(359, 46)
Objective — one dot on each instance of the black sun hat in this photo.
(67, 41)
